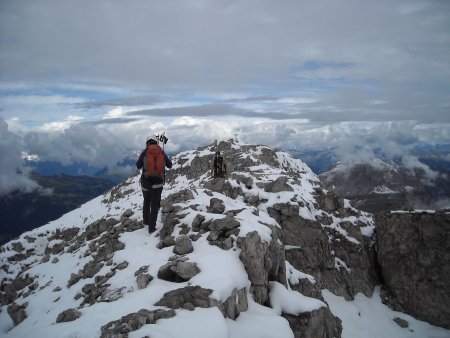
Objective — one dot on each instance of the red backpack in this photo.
(154, 165)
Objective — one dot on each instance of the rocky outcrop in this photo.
(187, 298)
(414, 256)
(320, 323)
(190, 297)
(134, 321)
(263, 262)
(339, 256)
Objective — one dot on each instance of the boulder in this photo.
(197, 222)
(316, 324)
(254, 257)
(17, 312)
(183, 245)
(68, 316)
(142, 280)
(279, 185)
(235, 304)
(216, 206)
(178, 271)
(128, 213)
(188, 298)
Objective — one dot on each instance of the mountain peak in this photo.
(244, 255)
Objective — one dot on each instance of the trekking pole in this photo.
(164, 140)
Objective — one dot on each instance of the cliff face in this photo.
(414, 255)
(253, 254)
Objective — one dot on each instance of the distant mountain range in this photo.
(380, 187)
(20, 211)
(125, 168)
(320, 160)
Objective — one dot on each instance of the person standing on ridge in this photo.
(153, 161)
(219, 166)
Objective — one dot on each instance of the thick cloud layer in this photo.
(12, 173)
(397, 47)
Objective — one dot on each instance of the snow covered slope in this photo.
(257, 254)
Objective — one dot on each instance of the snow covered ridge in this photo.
(245, 256)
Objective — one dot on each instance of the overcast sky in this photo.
(89, 80)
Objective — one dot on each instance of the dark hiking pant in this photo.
(152, 200)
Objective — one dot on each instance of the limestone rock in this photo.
(279, 185)
(128, 213)
(133, 321)
(320, 249)
(319, 323)
(8, 293)
(197, 222)
(17, 312)
(401, 322)
(183, 245)
(68, 316)
(142, 280)
(255, 255)
(178, 271)
(235, 304)
(187, 297)
(216, 206)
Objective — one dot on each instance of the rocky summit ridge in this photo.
(246, 255)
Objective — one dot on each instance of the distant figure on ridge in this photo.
(153, 161)
(219, 166)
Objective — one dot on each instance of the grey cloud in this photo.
(126, 101)
(198, 111)
(225, 44)
(112, 121)
(12, 172)
(211, 110)
(253, 98)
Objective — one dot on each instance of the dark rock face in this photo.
(414, 255)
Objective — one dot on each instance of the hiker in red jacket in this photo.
(153, 161)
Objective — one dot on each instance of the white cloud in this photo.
(59, 126)
(114, 113)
